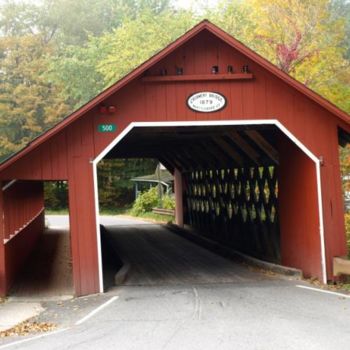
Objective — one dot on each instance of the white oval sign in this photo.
(206, 102)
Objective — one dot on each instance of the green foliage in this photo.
(115, 188)
(168, 202)
(138, 39)
(347, 230)
(235, 17)
(145, 201)
(104, 59)
(76, 65)
(150, 199)
(56, 195)
(29, 103)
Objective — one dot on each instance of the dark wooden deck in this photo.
(48, 271)
(160, 257)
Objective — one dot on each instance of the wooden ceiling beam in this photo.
(212, 148)
(191, 158)
(244, 146)
(204, 157)
(264, 145)
(185, 165)
(229, 150)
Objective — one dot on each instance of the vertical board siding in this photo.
(47, 162)
(298, 210)
(23, 201)
(22, 221)
(68, 155)
(83, 227)
(18, 249)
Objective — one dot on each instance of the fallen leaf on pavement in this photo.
(27, 327)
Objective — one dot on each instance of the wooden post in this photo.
(179, 212)
(298, 205)
(83, 228)
(136, 189)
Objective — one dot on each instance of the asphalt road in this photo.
(62, 221)
(181, 296)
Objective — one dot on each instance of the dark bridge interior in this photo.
(230, 176)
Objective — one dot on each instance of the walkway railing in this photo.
(23, 203)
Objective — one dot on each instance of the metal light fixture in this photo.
(214, 69)
(112, 109)
(103, 109)
(245, 69)
(179, 71)
(107, 109)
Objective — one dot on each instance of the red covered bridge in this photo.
(254, 153)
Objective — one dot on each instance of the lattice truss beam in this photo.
(238, 206)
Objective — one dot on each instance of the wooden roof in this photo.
(162, 176)
(204, 25)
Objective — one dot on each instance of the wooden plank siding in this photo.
(67, 155)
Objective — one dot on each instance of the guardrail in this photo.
(23, 201)
(162, 211)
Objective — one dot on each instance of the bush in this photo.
(148, 200)
(347, 230)
(56, 195)
(145, 201)
(168, 202)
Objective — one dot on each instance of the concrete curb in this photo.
(233, 254)
(122, 274)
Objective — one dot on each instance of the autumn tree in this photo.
(303, 38)
(29, 103)
(115, 188)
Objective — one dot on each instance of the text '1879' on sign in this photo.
(107, 127)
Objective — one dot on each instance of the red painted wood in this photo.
(22, 206)
(300, 240)
(197, 77)
(47, 162)
(22, 202)
(18, 249)
(83, 227)
(65, 152)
